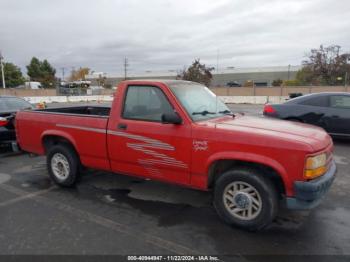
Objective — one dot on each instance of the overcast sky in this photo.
(167, 35)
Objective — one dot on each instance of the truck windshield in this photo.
(199, 102)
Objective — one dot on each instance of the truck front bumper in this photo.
(309, 194)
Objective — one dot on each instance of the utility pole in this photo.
(63, 69)
(126, 65)
(72, 74)
(288, 72)
(217, 61)
(346, 74)
(2, 71)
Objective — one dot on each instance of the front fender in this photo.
(250, 157)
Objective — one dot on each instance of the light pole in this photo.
(346, 74)
(288, 72)
(2, 71)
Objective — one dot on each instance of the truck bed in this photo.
(80, 110)
(84, 126)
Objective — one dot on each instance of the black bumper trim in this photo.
(309, 194)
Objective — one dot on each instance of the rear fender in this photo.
(57, 133)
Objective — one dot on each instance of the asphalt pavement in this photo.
(113, 214)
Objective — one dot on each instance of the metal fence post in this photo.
(254, 91)
(346, 82)
(281, 90)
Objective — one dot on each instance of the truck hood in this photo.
(314, 136)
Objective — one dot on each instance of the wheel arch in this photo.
(269, 167)
(51, 138)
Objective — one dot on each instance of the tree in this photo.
(197, 72)
(13, 75)
(41, 72)
(324, 66)
(79, 74)
(305, 76)
(277, 82)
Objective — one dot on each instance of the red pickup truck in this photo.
(179, 132)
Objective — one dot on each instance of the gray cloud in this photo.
(164, 34)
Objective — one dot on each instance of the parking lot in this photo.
(113, 214)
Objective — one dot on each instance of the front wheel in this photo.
(245, 198)
(63, 165)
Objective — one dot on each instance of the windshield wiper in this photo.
(227, 112)
(204, 113)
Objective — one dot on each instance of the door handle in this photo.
(122, 126)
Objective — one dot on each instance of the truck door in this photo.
(140, 144)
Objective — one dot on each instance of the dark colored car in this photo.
(233, 84)
(330, 111)
(8, 108)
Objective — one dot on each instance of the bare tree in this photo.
(79, 74)
(324, 66)
(197, 72)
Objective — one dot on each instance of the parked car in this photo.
(294, 95)
(33, 85)
(331, 111)
(233, 84)
(8, 108)
(179, 132)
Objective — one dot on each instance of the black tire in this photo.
(67, 153)
(267, 197)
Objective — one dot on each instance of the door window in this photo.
(340, 101)
(146, 103)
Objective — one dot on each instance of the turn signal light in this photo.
(315, 166)
(314, 173)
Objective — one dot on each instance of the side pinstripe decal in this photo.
(145, 147)
(96, 130)
(150, 143)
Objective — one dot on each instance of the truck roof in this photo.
(163, 81)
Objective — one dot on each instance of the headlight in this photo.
(315, 166)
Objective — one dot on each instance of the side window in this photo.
(321, 101)
(146, 103)
(340, 101)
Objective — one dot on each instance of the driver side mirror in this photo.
(171, 118)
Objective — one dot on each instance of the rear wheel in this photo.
(245, 198)
(63, 165)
